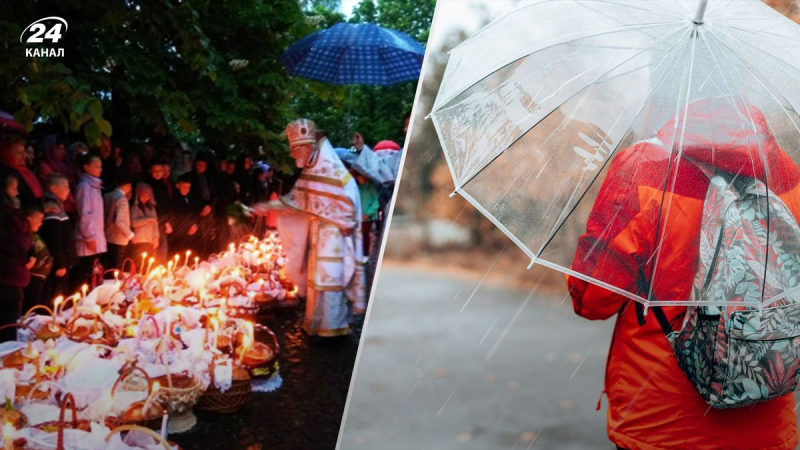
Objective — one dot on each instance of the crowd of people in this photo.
(70, 212)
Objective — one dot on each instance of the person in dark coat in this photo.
(35, 291)
(226, 195)
(15, 244)
(185, 217)
(244, 178)
(155, 178)
(204, 193)
(58, 233)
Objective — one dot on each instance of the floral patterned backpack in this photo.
(742, 355)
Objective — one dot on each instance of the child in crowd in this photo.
(185, 214)
(118, 222)
(58, 233)
(15, 243)
(35, 291)
(90, 237)
(144, 221)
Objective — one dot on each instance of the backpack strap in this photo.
(666, 327)
(644, 288)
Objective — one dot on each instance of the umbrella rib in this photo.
(657, 256)
(758, 48)
(588, 85)
(759, 77)
(763, 162)
(493, 23)
(504, 64)
(613, 152)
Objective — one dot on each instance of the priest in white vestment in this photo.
(319, 222)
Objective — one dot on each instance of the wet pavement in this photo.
(451, 363)
(305, 412)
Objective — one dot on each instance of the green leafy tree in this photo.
(204, 72)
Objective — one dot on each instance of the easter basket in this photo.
(135, 414)
(89, 335)
(230, 401)
(58, 426)
(261, 359)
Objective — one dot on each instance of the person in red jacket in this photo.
(652, 404)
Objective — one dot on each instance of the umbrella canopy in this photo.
(588, 131)
(350, 53)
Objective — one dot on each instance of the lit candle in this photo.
(116, 275)
(84, 289)
(144, 258)
(8, 436)
(75, 300)
(150, 264)
(164, 419)
(56, 304)
(96, 315)
(196, 261)
(245, 347)
(150, 398)
(169, 266)
(249, 330)
(186, 261)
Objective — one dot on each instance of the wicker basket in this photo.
(269, 367)
(178, 398)
(152, 420)
(61, 424)
(230, 401)
(27, 393)
(52, 330)
(108, 338)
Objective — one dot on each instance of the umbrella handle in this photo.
(701, 11)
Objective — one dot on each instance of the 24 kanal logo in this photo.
(43, 31)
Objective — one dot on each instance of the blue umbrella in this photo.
(350, 53)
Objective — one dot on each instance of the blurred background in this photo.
(431, 229)
(463, 347)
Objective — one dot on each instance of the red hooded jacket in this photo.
(652, 404)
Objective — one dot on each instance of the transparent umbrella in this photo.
(588, 132)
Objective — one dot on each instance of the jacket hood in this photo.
(733, 138)
(143, 188)
(93, 181)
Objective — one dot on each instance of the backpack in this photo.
(742, 355)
